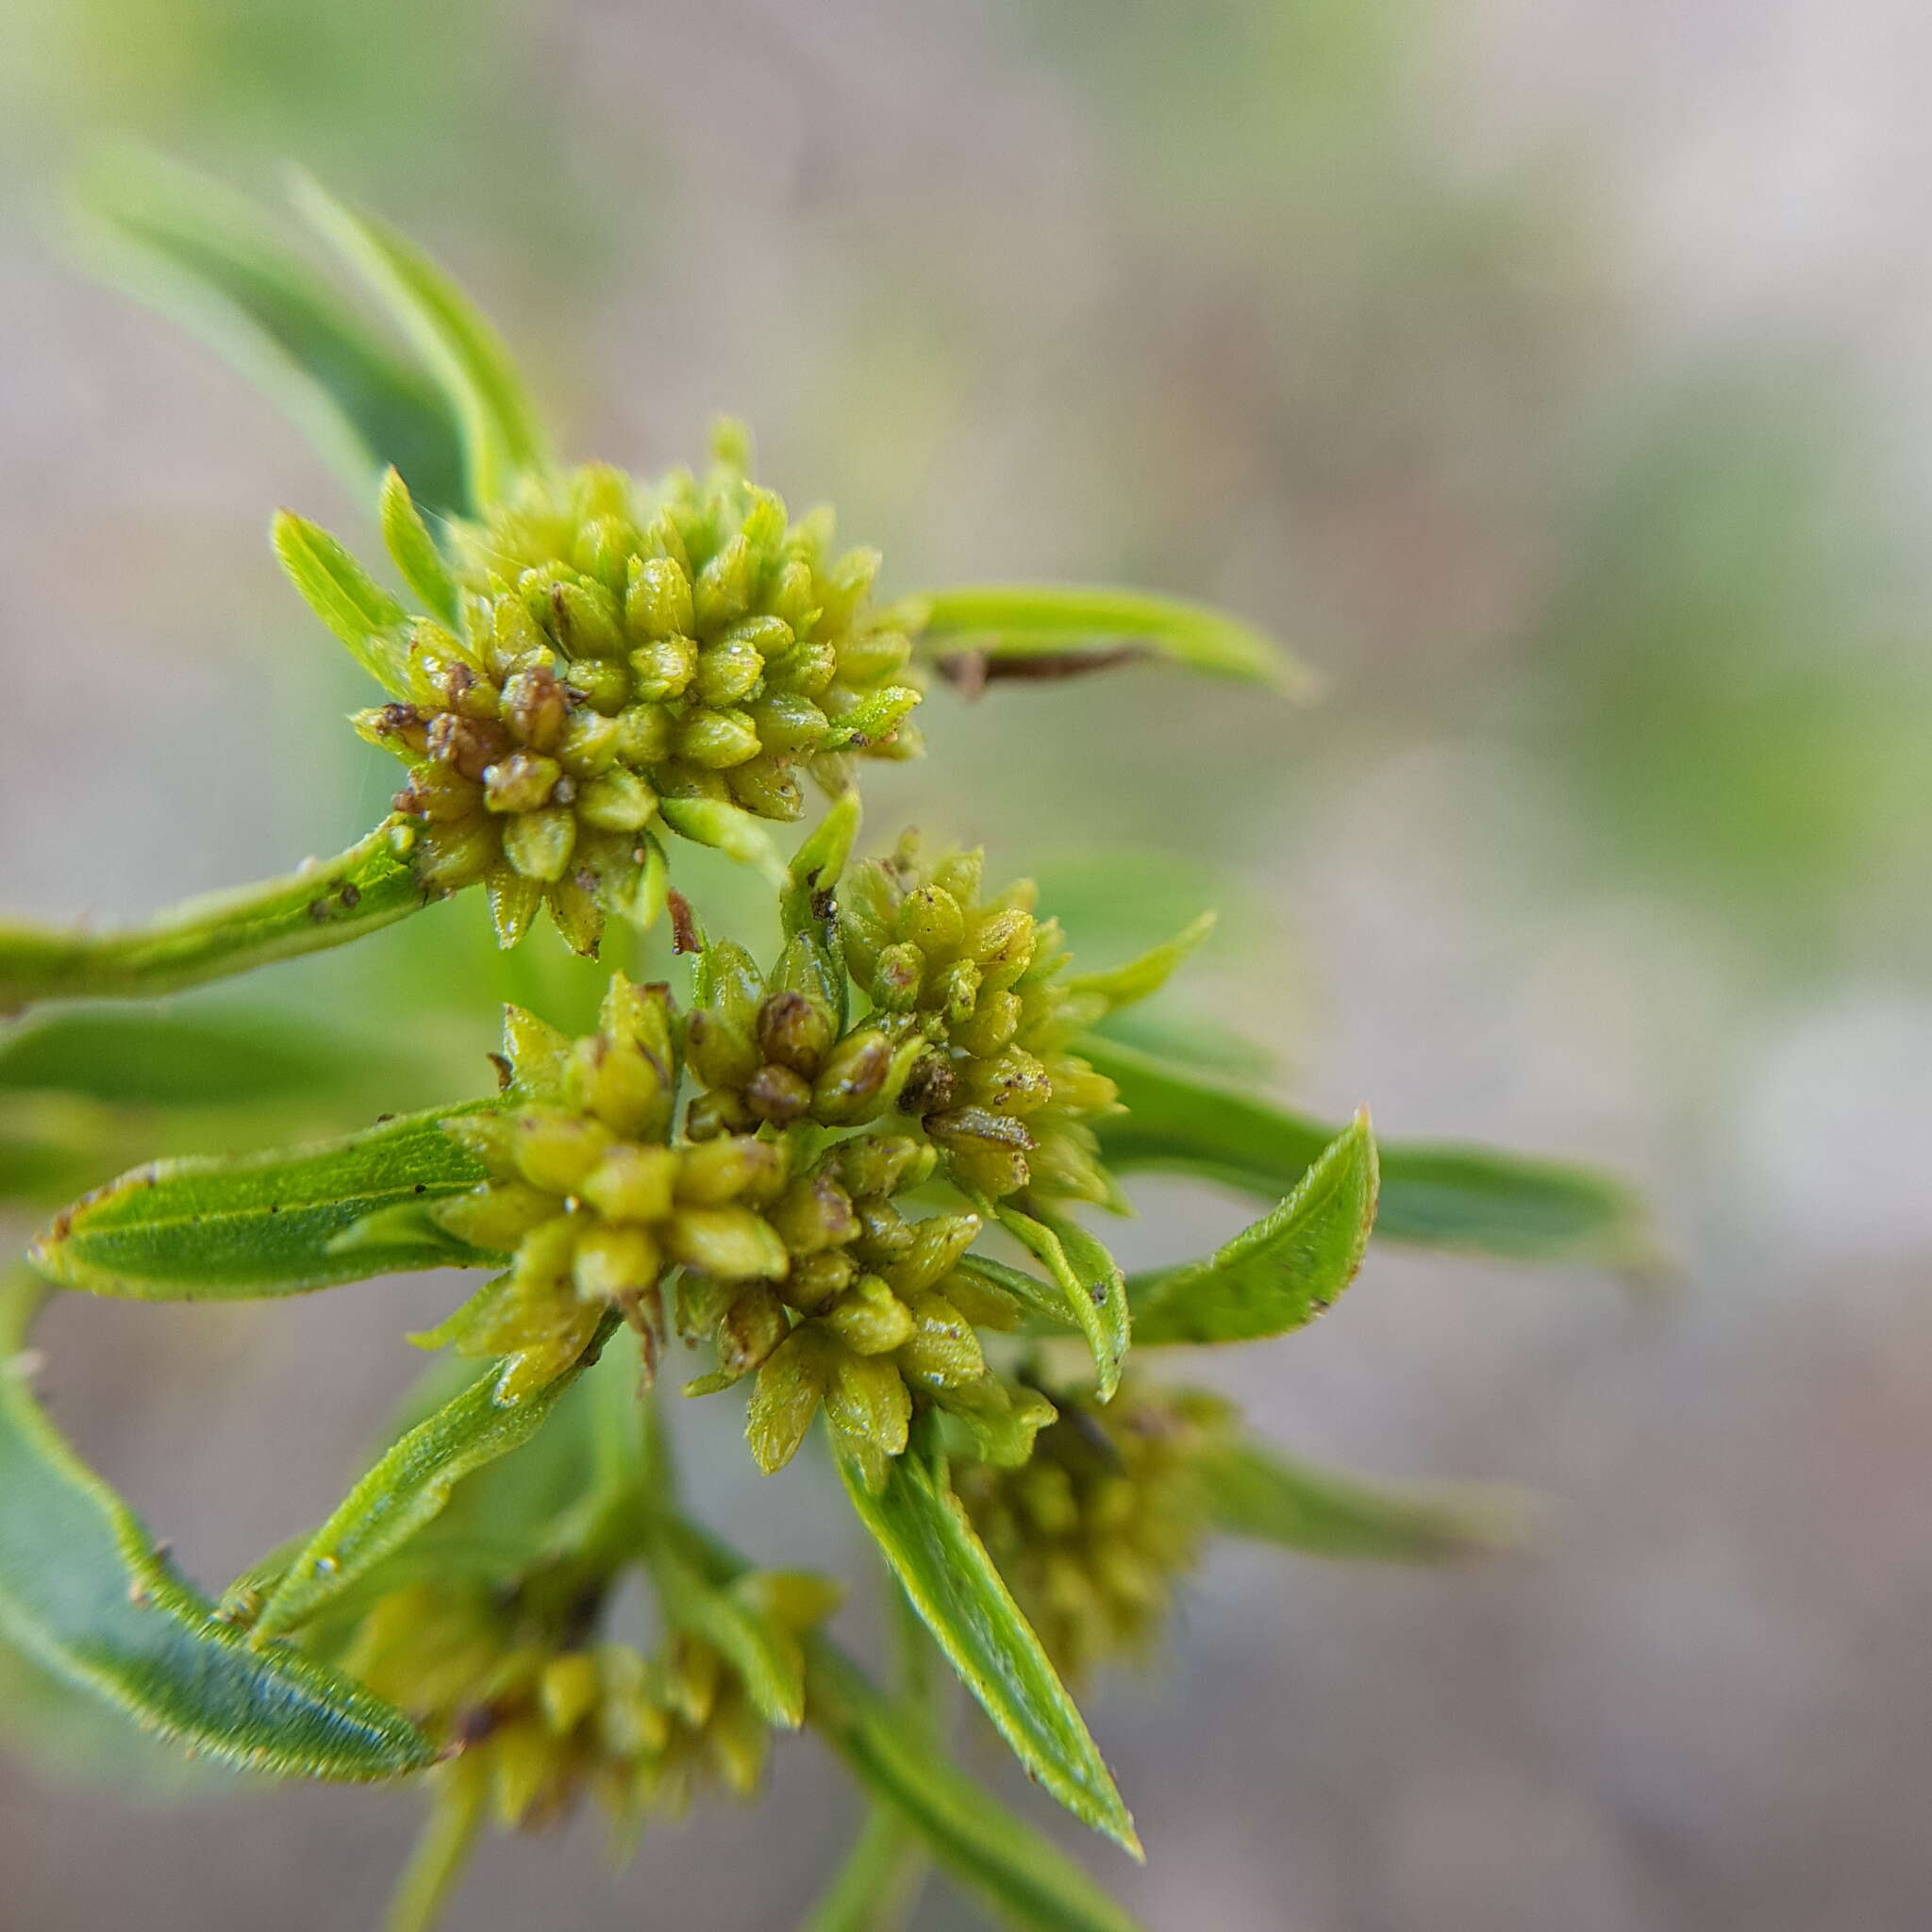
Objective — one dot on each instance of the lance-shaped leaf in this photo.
(405, 1490)
(1251, 1489)
(413, 551)
(1046, 1301)
(229, 1229)
(1094, 1290)
(158, 1056)
(371, 885)
(347, 599)
(1282, 1272)
(215, 262)
(1017, 1873)
(950, 1580)
(1052, 620)
(1442, 1196)
(84, 1593)
(1139, 978)
(502, 437)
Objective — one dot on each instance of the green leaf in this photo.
(347, 599)
(944, 1569)
(1124, 985)
(85, 1594)
(413, 551)
(501, 434)
(1094, 1290)
(1044, 1299)
(1282, 1272)
(210, 260)
(818, 865)
(1034, 620)
(153, 1057)
(1442, 1196)
(227, 1228)
(406, 1490)
(368, 885)
(1251, 1489)
(878, 1886)
(1021, 1876)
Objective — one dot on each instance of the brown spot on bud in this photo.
(930, 1087)
(465, 744)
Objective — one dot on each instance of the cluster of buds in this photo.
(538, 1711)
(597, 649)
(873, 1312)
(1094, 1533)
(770, 1049)
(979, 979)
(589, 1199)
(795, 1262)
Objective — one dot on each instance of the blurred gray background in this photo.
(1553, 376)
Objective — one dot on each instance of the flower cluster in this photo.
(1094, 1533)
(769, 1050)
(600, 648)
(875, 1311)
(791, 1255)
(516, 1681)
(980, 980)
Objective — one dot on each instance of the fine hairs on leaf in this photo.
(843, 1144)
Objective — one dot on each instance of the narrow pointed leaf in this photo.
(1139, 978)
(501, 434)
(232, 1228)
(368, 885)
(1035, 620)
(1254, 1491)
(1044, 1300)
(347, 599)
(405, 1490)
(215, 262)
(413, 550)
(158, 1056)
(1468, 1198)
(978, 1842)
(1090, 1279)
(946, 1574)
(1282, 1272)
(84, 1593)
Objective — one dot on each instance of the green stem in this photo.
(371, 885)
(442, 1852)
(879, 1883)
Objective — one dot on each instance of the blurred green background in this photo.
(1552, 377)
